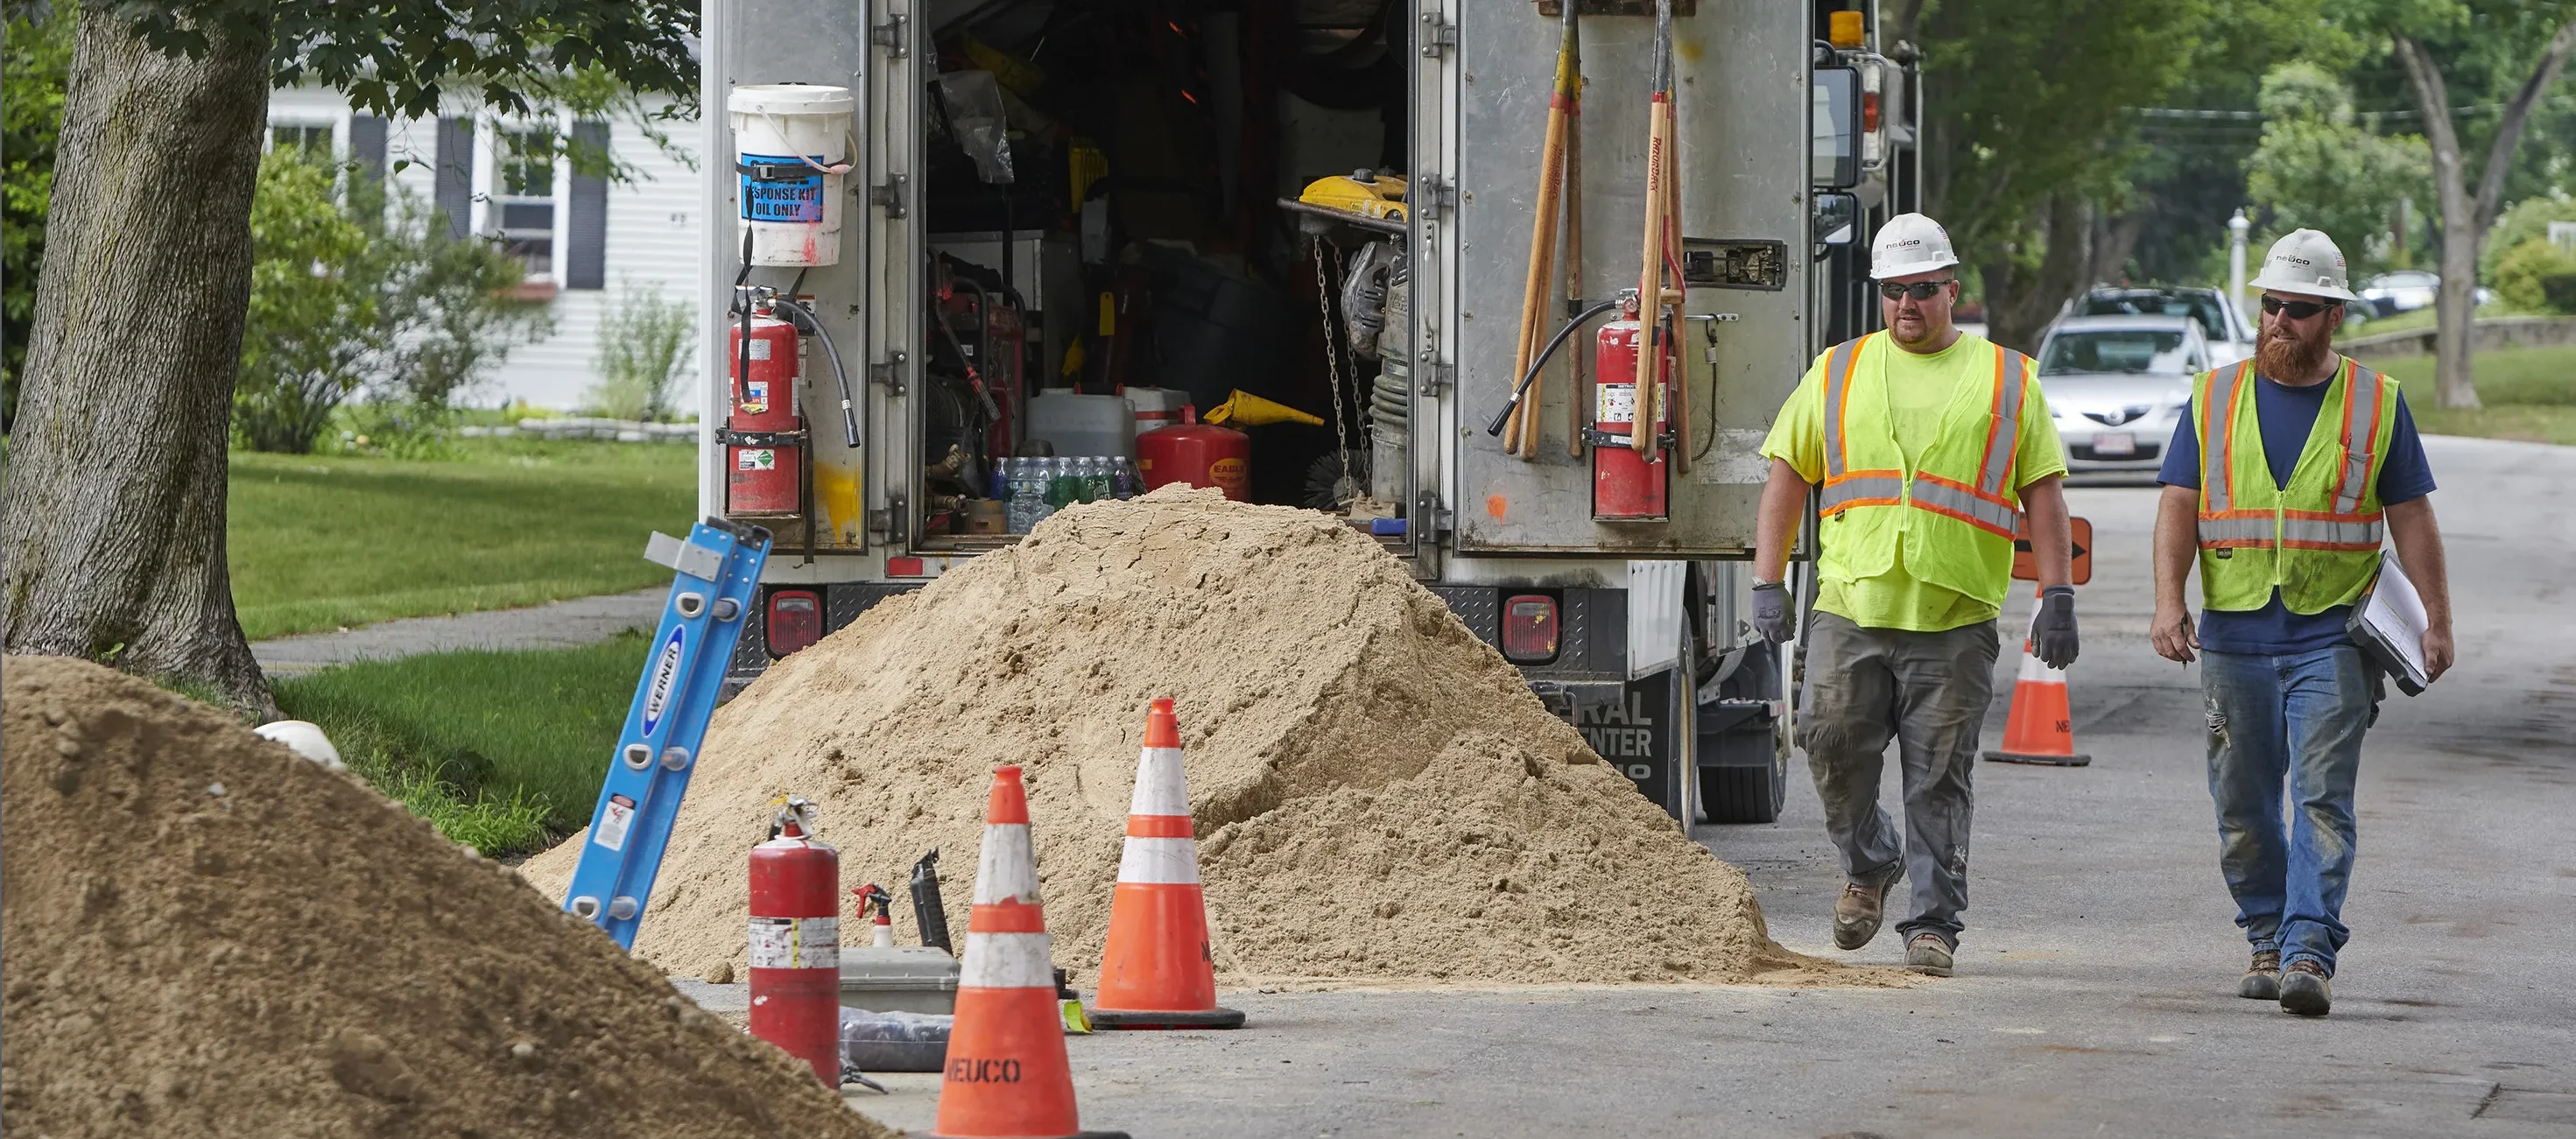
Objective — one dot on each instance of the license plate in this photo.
(2110, 443)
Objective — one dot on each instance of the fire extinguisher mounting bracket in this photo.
(732, 438)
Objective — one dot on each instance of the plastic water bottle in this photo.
(998, 483)
(1097, 486)
(1122, 477)
(1028, 496)
(1064, 488)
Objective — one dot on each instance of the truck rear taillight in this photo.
(1869, 112)
(795, 620)
(1529, 628)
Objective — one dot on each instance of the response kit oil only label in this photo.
(614, 821)
(796, 198)
(795, 943)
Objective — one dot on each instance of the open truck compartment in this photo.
(1066, 238)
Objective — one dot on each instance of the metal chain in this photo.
(1349, 480)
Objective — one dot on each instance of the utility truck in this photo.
(989, 241)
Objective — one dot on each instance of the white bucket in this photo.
(792, 149)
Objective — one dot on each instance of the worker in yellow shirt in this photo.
(1929, 444)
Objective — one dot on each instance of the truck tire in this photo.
(1742, 794)
(1748, 794)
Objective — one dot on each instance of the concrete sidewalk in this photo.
(556, 625)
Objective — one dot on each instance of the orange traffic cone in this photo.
(1007, 1075)
(2041, 728)
(1157, 971)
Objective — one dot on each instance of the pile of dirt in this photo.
(206, 935)
(1380, 796)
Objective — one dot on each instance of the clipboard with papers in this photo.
(2388, 623)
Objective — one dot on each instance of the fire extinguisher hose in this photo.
(840, 375)
(1553, 343)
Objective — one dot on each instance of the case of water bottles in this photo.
(1033, 489)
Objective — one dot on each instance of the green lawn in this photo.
(2527, 393)
(501, 750)
(322, 542)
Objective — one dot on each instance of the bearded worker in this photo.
(2279, 483)
(1929, 445)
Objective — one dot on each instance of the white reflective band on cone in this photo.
(1006, 961)
(1160, 861)
(1008, 867)
(1161, 789)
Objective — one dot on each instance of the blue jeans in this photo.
(2297, 717)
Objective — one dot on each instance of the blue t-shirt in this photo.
(2286, 415)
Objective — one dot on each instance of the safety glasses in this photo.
(2296, 310)
(1919, 290)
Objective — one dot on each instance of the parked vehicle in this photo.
(2406, 290)
(2229, 332)
(2117, 384)
(967, 332)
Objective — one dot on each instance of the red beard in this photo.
(2291, 359)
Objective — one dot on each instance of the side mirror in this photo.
(1835, 128)
(1837, 218)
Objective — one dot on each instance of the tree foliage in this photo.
(2318, 168)
(35, 54)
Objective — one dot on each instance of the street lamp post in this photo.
(2236, 227)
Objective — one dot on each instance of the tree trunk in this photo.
(2020, 303)
(115, 499)
(2455, 306)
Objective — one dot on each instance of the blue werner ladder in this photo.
(718, 572)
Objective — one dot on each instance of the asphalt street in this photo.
(2095, 989)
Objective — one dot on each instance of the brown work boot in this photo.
(1858, 911)
(2304, 989)
(1927, 954)
(2262, 979)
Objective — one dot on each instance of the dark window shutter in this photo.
(367, 144)
(586, 231)
(455, 159)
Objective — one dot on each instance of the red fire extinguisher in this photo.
(796, 943)
(764, 437)
(1628, 486)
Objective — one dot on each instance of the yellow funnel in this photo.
(1249, 410)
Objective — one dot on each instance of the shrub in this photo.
(644, 342)
(310, 307)
(2537, 276)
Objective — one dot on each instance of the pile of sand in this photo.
(1380, 797)
(206, 935)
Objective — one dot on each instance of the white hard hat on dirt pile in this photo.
(1910, 244)
(2308, 262)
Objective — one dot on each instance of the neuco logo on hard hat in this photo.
(1910, 244)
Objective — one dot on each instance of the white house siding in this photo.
(653, 230)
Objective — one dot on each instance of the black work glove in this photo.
(2052, 634)
(1771, 612)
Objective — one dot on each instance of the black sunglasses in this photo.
(2296, 310)
(1919, 290)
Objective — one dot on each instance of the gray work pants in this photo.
(1927, 691)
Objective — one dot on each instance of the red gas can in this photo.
(1196, 454)
(796, 945)
(763, 454)
(1626, 486)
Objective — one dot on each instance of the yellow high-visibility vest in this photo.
(2316, 540)
(1952, 518)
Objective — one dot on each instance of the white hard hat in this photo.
(305, 738)
(2305, 262)
(1910, 244)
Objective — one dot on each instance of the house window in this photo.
(314, 138)
(523, 200)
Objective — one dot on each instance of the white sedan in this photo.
(2116, 385)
